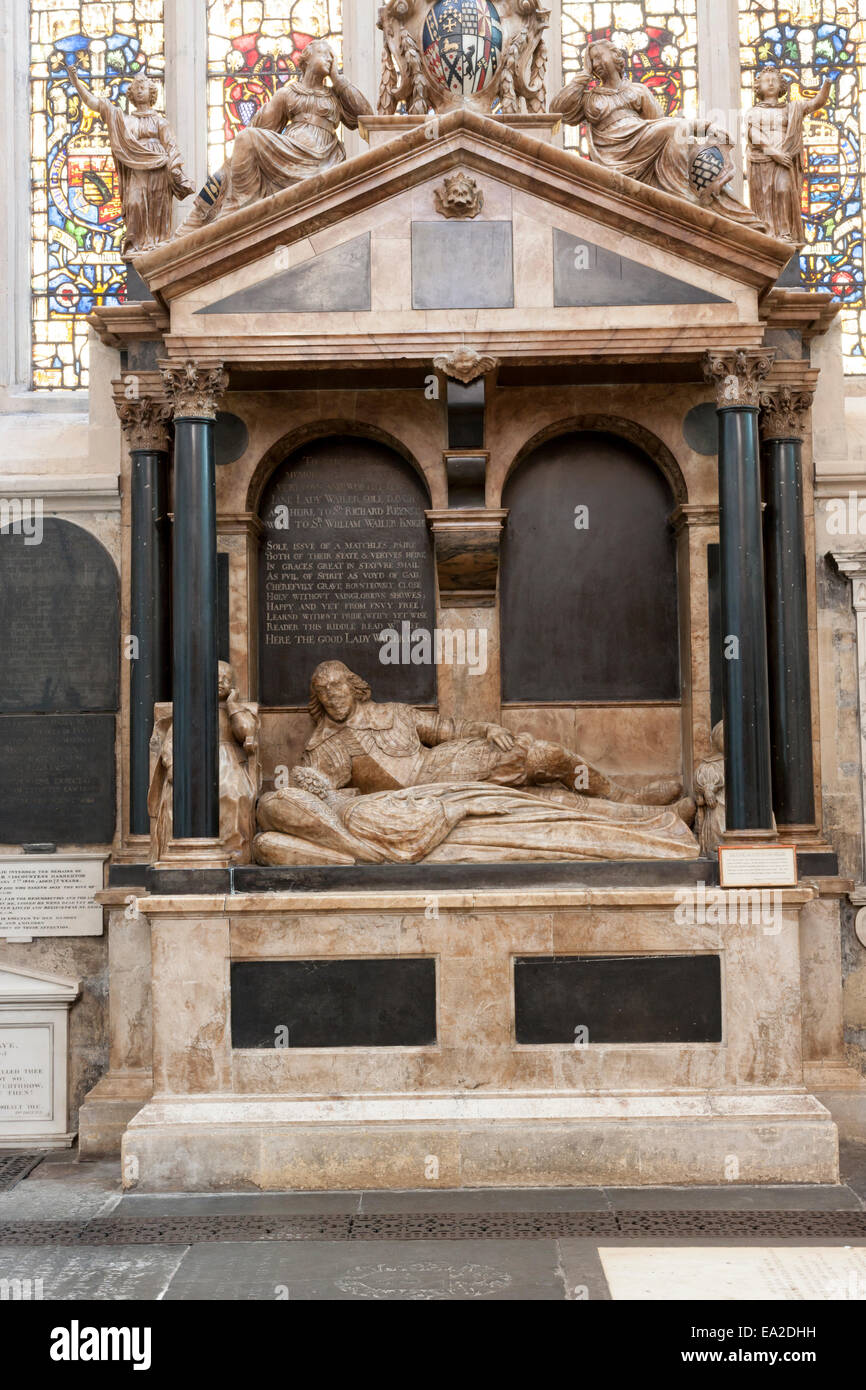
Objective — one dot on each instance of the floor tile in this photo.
(735, 1273)
(487, 1200)
(733, 1198)
(121, 1272)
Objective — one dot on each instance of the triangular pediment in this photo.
(365, 251)
(20, 984)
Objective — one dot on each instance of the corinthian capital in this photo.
(144, 421)
(737, 375)
(783, 412)
(194, 390)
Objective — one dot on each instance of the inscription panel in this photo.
(26, 1072)
(346, 554)
(59, 619)
(44, 895)
(57, 775)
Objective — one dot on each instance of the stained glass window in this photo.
(811, 41)
(77, 228)
(253, 46)
(661, 40)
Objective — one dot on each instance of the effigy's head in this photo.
(771, 84)
(315, 60)
(604, 58)
(225, 680)
(336, 691)
(142, 91)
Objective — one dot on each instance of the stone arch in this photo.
(311, 430)
(588, 586)
(618, 425)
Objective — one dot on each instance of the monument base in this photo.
(107, 1110)
(470, 1141)
(558, 1037)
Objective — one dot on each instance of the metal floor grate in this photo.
(628, 1225)
(14, 1167)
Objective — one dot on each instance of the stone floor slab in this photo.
(582, 1271)
(239, 1204)
(736, 1273)
(486, 1200)
(122, 1272)
(734, 1198)
(393, 1271)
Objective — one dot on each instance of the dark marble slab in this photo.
(333, 1003)
(587, 275)
(462, 265)
(336, 281)
(618, 999)
(58, 777)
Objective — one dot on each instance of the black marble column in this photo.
(195, 721)
(782, 425)
(746, 698)
(144, 421)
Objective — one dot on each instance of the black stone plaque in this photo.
(336, 281)
(462, 265)
(701, 429)
(334, 1003)
(585, 1000)
(587, 275)
(59, 621)
(589, 597)
(346, 554)
(223, 613)
(57, 776)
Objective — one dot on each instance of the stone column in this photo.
(783, 422)
(145, 424)
(194, 390)
(737, 375)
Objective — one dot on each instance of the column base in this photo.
(107, 1110)
(459, 1140)
(196, 854)
(843, 1091)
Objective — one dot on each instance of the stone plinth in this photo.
(708, 1097)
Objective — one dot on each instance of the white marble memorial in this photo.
(34, 1045)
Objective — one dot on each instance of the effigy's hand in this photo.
(499, 737)
(781, 158)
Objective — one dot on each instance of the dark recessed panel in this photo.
(230, 438)
(334, 1003)
(223, 608)
(714, 592)
(588, 1000)
(589, 610)
(59, 621)
(586, 275)
(346, 554)
(57, 774)
(701, 429)
(462, 265)
(336, 281)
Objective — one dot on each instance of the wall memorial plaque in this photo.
(346, 554)
(50, 895)
(57, 774)
(34, 1014)
(59, 619)
(588, 581)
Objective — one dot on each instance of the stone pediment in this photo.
(18, 985)
(543, 253)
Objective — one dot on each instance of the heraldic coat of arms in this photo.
(488, 55)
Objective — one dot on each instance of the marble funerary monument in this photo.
(468, 542)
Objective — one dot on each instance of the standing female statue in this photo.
(775, 153)
(291, 138)
(149, 164)
(629, 132)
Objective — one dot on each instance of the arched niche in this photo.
(346, 553)
(588, 584)
(59, 633)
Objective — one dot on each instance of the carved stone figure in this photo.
(629, 133)
(291, 138)
(458, 196)
(441, 54)
(239, 774)
(436, 788)
(774, 129)
(149, 164)
(710, 795)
